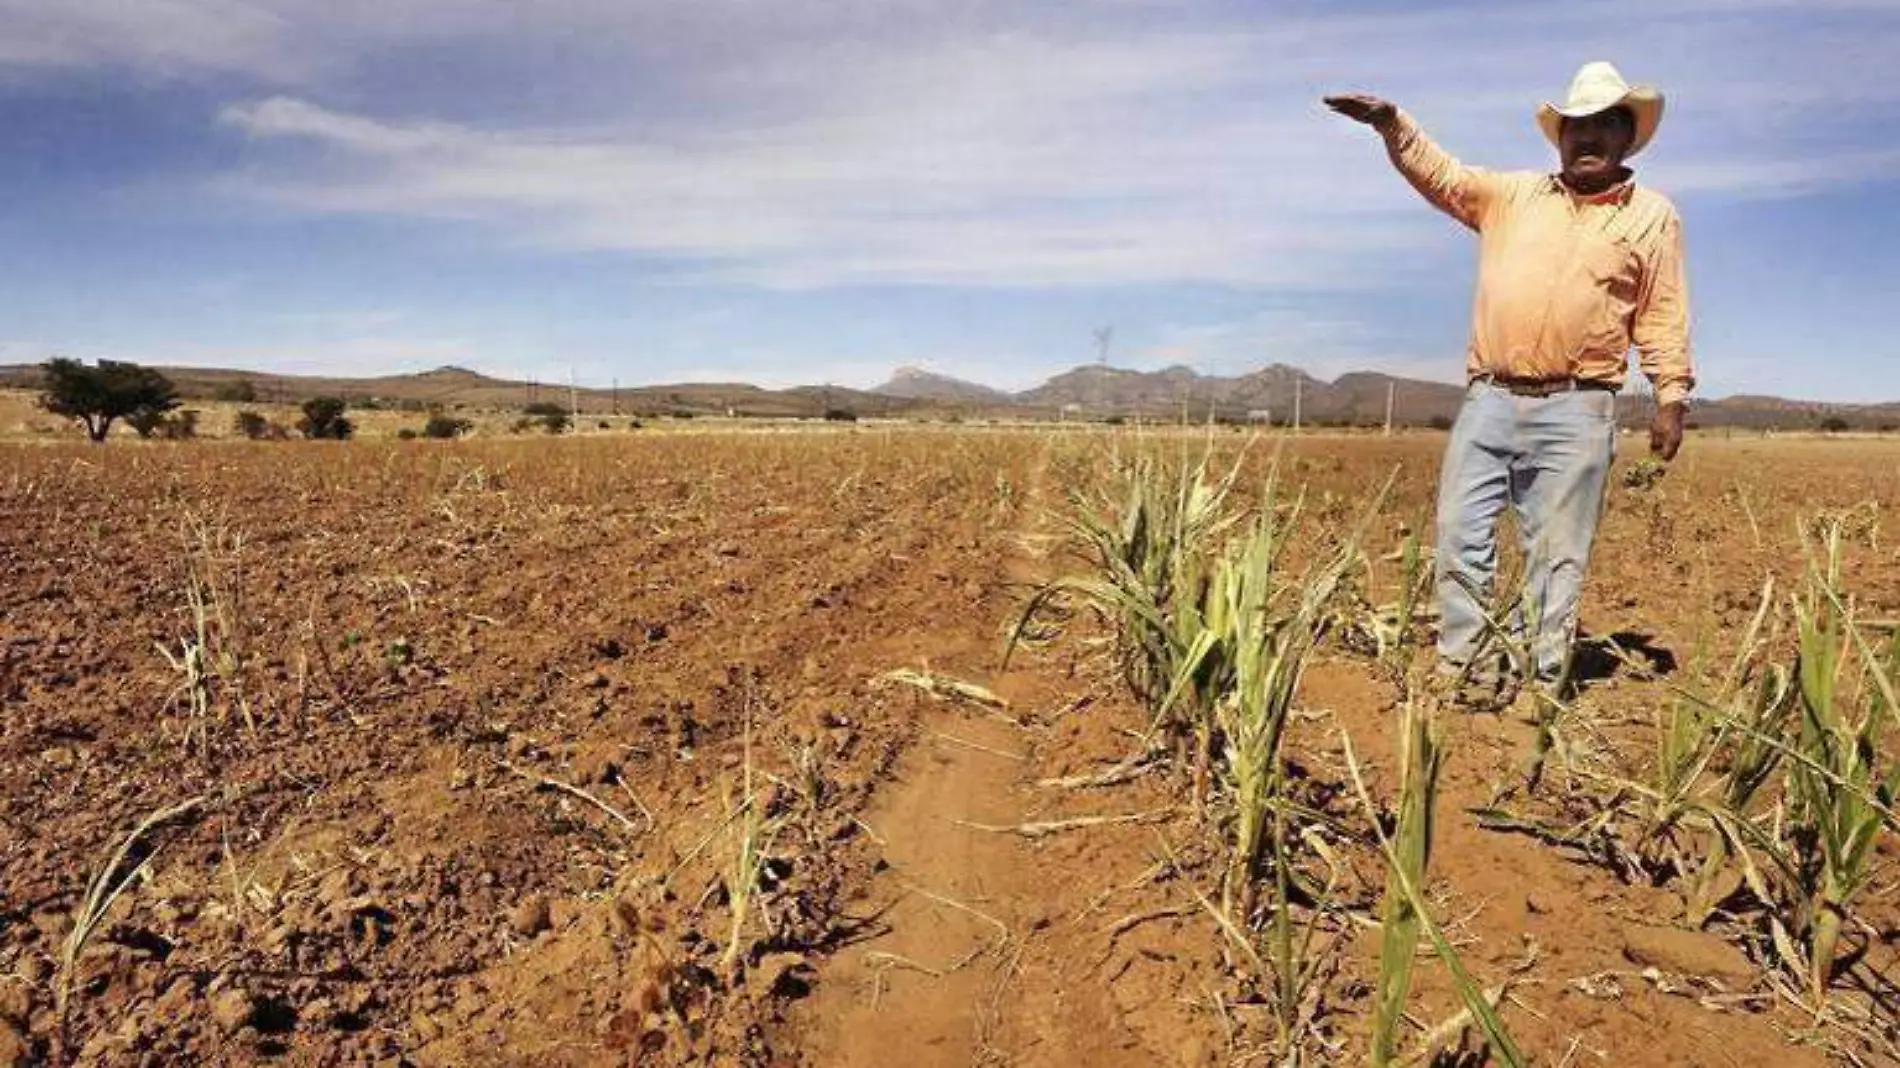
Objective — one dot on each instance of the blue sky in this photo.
(790, 191)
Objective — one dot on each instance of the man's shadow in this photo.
(1626, 652)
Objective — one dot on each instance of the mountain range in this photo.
(1089, 392)
(1357, 398)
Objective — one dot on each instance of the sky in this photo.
(805, 191)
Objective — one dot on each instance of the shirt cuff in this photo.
(1673, 393)
(1401, 131)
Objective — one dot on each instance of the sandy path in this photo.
(990, 948)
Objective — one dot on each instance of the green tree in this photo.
(323, 418)
(96, 396)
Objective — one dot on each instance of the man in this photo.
(1573, 269)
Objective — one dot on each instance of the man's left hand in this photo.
(1665, 434)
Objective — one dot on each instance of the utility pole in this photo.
(573, 399)
(1102, 339)
(1298, 383)
(616, 396)
(1388, 407)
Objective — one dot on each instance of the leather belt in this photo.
(1545, 387)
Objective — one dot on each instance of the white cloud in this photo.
(993, 143)
(1003, 152)
(162, 37)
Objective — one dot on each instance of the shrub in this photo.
(146, 421)
(323, 418)
(1834, 424)
(407, 434)
(840, 415)
(111, 390)
(441, 425)
(1439, 422)
(181, 426)
(251, 425)
(1644, 473)
(552, 417)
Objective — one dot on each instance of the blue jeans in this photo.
(1548, 458)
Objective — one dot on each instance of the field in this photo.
(668, 748)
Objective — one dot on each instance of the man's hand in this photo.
(1360, 107)
(1665, 434)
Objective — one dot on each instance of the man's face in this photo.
(1593, 147)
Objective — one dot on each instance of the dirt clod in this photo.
(531, 916)
(16, 1002)
(15, 1052)
(595, 766)
(232, 1010)
(1686, 953)
(425, 1027)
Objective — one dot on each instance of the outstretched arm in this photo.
(1459, 191)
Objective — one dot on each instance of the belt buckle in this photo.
(1542, 389)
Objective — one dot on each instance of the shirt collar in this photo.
(1620, 193)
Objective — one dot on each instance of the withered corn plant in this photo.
(212, 661)
(1255, 624)
(1147, 546)
(1252, 627)
(1407, 854)
(1696, 730)
(1385, 629)
(1841, 784)
(1421, 756)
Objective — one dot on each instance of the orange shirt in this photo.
(1566, 283)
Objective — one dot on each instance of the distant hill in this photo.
(1091, 391)
(459, 387)
(1118, 389)
(1269, 393)
(915, 383)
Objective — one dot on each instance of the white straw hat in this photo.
(1598, 87)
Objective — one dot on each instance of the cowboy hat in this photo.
(1598, 87)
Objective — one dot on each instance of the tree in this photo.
(323, 418)
(111, 390)
(1833, 424)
